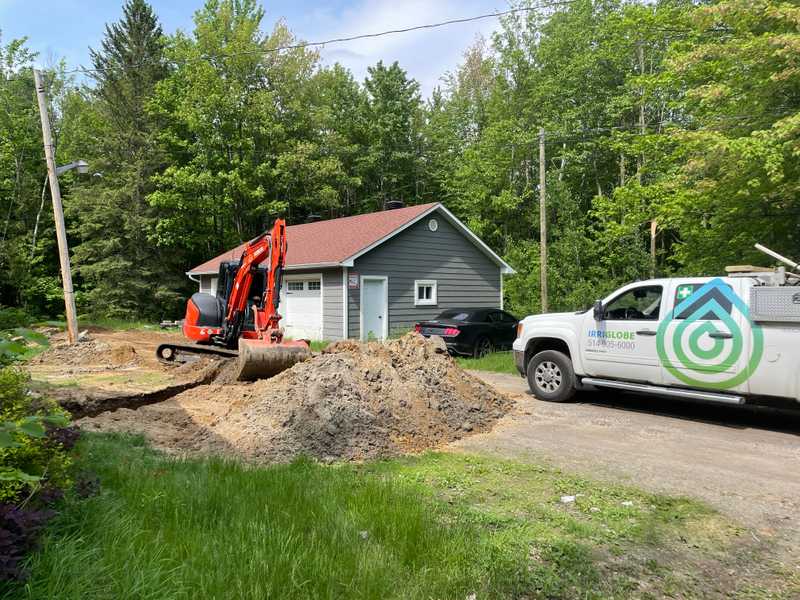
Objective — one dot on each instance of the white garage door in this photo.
(301, 307)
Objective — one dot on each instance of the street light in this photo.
(81, 165)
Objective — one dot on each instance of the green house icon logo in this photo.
(700, 315)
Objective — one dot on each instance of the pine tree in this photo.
(394, 113)
(122, 270)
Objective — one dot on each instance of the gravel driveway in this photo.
(744, 462)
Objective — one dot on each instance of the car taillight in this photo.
(418, 328)
(451, 332)
(519, 329)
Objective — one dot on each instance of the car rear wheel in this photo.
(551, 376)
(483, 346)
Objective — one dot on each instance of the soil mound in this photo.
(353, 401)
(89, 352)
(84, 352)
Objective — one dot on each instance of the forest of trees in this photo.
(678, 114)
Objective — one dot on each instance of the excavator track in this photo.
(168, 353)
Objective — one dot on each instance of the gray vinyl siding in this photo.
(332, 322)
(465, 276)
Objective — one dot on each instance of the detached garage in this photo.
(375, 275)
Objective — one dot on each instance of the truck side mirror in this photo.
(599, 313)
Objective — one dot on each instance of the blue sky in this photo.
(67, 28)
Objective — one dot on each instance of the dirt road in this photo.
(745, 463)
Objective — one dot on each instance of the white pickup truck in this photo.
(731, 339)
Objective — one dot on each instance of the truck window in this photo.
(684, 290)
(638, 304)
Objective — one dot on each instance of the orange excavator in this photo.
(241, 320)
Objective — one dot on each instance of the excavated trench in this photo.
(91, 405)
(106, 374)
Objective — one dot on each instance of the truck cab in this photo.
(725, 339)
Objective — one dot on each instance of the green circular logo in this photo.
(707, 314)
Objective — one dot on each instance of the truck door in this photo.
(705, 341)
(623, 344)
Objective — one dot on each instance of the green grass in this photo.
(214, 529)
(500, 362)
(432, 526)
(104, 323)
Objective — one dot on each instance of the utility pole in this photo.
(642, 132)
(653, 233)
(542, 220)
(58, 212)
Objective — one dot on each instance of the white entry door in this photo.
(301, 307)
(374, 308)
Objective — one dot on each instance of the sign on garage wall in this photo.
(352, 281)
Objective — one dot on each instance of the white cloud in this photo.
(425, 54)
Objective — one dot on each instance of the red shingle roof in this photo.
(330, 242)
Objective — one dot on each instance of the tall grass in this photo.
(215, 529)
(499, 362)
(431, 526)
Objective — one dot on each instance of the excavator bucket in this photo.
(260, 359)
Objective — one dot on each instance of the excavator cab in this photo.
(205, 312)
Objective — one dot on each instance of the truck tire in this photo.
(551, 376)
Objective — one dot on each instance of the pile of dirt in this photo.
(89, 352)
(353, 401)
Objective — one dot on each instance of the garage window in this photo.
(208, 285)
(425, 292)
(295, 286)
(314, 285)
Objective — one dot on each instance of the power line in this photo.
(300, 45)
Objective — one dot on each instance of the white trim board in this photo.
(345, 312)
(385, 280)
(333, 265)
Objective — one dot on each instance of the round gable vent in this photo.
(433, 224)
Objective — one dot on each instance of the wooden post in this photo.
(542, 220)
(642, 123)
(653, 232)
(58, 212)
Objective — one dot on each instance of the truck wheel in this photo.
(551, 376)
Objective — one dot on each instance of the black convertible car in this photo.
(472, 332)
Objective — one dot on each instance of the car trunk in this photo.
(439, 327)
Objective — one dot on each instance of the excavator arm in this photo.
(262, 351)
(267, 317)
(266, 247)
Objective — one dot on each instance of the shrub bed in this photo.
(35, 466)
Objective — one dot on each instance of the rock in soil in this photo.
(353, 401)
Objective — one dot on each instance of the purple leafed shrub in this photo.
(49, 495)
(66, 437)
(19, 530)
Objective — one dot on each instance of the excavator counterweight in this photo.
(241, 320)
